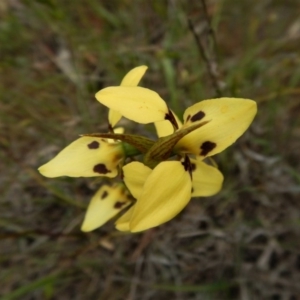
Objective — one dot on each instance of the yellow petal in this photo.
(85, 157)
(134, 76)
(165, 128)
(119, 130)
(165, 193)
(207, 180)
(135, 175)
(106, 203)
(228, 120)
(122, 223)
(113, 117)
(135, 103)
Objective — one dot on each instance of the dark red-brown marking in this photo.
(101, 169)
(206, 147)
(198, 116)
(119, 204)
(187, 165)
(170, 117)
(94, 145)
(188, 118)
(104, 195)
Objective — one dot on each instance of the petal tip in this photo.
(85, 229)
(44, 170)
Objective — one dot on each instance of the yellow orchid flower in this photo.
(161, 186)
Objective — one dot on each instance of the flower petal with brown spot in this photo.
(85, 157)
(228, 119)
(101, 209)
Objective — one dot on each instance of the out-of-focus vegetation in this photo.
(243, 243)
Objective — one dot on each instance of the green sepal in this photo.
(163, 148)
(140, 143)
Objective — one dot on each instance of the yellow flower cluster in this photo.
(167, 172)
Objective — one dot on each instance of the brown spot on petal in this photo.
(188, 118)
(101, 169)
(187, 165)
(198, 116)
(206, 147)
(170, 117)
(119, 204)
(104, 195)
(93, 145)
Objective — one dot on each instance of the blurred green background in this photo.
(243, 243)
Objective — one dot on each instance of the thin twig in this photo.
(211, 31)
(213, 78)
(209, 58)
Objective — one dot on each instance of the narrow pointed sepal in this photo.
(134, 76)
(85, 157)
(135, 103)
(228, 120)
(207, 180)
(166, 192)
(106, 203)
